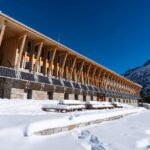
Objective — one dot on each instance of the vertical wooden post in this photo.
(45, 61)
(51, 62)
(2, 33)
(98, 78)
(80, 72)
(89, 67)
(63, 65)
(21, 50)
(94, 71)
(72, 67)
(38, 56)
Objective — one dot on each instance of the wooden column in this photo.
(63, 65)
(93, 74)
(2, 33)
(51, 62)
(21, 50)
(80, 72)
(103, 77)
(38, 56)
(72, 67)
(97, 80)
(45, 61)
(89, 67)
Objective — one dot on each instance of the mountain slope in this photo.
(140, 75)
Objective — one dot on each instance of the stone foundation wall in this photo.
(71, 96)
(88, 97)
(5, 87)
(39, 95)
(94, 98)
(80, 97)
(58, 96)
(17, 93)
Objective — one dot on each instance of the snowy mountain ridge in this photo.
(140, 75)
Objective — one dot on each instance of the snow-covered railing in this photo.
(70, 102)
(96, 105)
(146, 105)
(65, 105)
(117, 104)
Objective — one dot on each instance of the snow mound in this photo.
(23, 107)
(94, 139)
(97, 147)
(84, 134)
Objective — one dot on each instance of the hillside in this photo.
(140, 75)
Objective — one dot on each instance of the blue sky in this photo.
(114, 33)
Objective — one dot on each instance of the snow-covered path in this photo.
(129, 133)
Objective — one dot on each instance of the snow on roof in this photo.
(48, 38)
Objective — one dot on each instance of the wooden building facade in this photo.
(35, 66)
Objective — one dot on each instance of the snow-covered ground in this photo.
(129, 133)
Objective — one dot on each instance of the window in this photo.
(28, 94)
(49, 55)
(50, 95)
(27, 65)
(59, 60)
(91, 98)
(78, 66)
(110, 99)
(84, 97)
(69, 62)
(43, 51)
(76, 97)
(66, 96)
(35, 51)
(29, 47)
(41, 69)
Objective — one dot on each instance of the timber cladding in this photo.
(44, 64)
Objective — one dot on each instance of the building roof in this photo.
(8, 18)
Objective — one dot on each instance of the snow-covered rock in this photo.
(140, 75)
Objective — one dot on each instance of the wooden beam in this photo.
(97, 82)
(63, 64)
(80, 72)
(93, 74)
(21, 50)
(2, 33)
(38, 56)
(88, 70)
(45, 61)
(72, 67)
(51, 62)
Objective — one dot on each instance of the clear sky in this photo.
(114, 33)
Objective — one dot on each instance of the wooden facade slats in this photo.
(38, 56)
(3, 26)
(80, 72)
(63, 64)
(88, 70)
(92, 74)
(51, 62)
(72, 67)
(21, 50)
